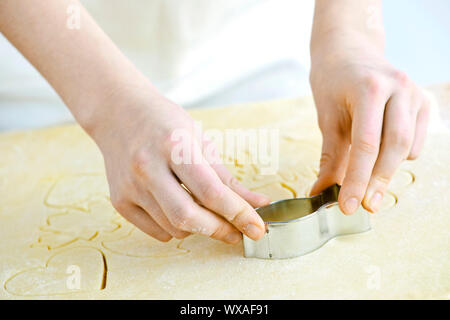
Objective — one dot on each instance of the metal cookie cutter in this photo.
(298, 226)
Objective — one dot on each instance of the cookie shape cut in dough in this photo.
(80, 269)
(54, 188)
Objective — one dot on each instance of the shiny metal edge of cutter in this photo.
(298, 226)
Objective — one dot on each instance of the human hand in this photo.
(132, 125)
(135, 137)
(372, 117)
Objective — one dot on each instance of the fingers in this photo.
(142, 220)
(254, 199)
(398, 126)
(149, 204)
(388, 124)
(421, 129)
(206, 186)
(366, 133)
(203, 209)
(212, 156)
(333, 161)
(185, 214)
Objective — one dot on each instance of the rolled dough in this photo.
(55, 213)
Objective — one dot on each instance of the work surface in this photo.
(57, 225)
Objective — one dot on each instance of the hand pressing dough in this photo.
(55, 212)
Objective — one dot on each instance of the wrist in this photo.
(342, 43)
(344, 23)
(116, 105)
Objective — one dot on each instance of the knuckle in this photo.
(400, 139)
(178, 143)
(238, 217)
(141, 160)
(373, 84)
(232, 181)
(179, 223)
(367, 146)
(180, 234)
(401, 78)
(119, 203)
(326, 160)
(219, 232)
(383, 179)
(211, 193)
(181, 216)
(170, 140)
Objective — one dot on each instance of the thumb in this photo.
(333, 162)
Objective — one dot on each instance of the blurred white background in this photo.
(273, 66)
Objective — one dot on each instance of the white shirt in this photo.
(189, 49)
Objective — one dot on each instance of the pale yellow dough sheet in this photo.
(55, 213)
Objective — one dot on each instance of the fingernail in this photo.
(233, 237)
(252, 231)
(351, 205)
(376, 200)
